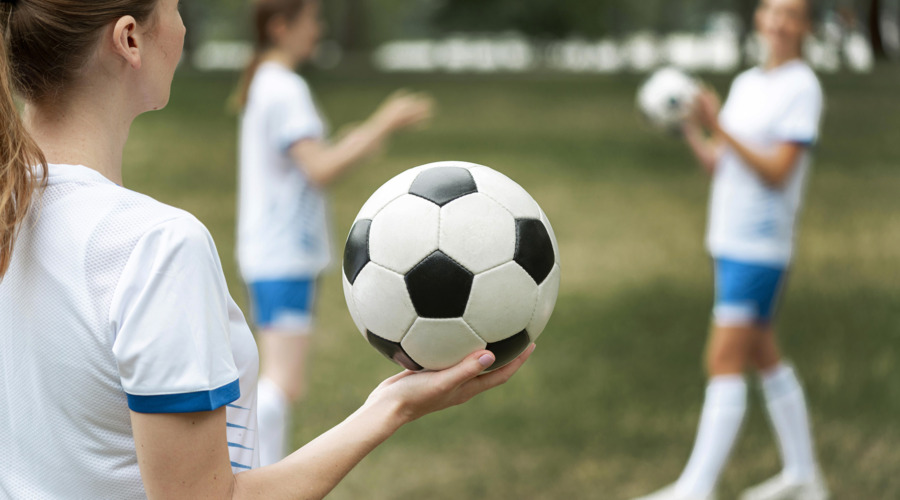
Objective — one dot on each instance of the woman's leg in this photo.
(283, 358)
(786, 406)
(729, 352)
(282, 383)
(283, 312)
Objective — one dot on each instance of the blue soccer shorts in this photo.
(746, 294)
(284, 306)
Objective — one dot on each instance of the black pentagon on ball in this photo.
(392, 350)
(441, 185)
(509, 348)
(356, 251)
(534, 249)
(439, 286)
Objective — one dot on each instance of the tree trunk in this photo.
(354, 36)
(875, 29)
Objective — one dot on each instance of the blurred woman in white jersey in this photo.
(126, 370)
(286, 163)
(758, 153)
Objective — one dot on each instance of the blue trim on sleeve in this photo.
(186, 402)
(240, 466)
(238, 445)
(807, 143)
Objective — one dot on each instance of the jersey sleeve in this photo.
(294, 116)
(799, 123)
(169, 318)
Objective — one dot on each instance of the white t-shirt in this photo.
(749, 220)
(283, 229)
(112, 301)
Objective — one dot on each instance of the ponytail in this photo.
(19, 154)
(239, 100)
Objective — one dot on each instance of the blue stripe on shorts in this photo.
(282, 304)
(746, 293)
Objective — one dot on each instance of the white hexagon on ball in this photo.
(351, 305)
(377, 290)
(404, 233)
(506, 192)
(477, 232)
(440, 343)
(501, 302)
(388, 192)
(546, 301)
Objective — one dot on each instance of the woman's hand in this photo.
(403, 109)
(416, 394)
(706, 109)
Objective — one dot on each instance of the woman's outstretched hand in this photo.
(404, 109)
(419, 393)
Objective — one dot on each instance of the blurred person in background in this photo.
(286, 164)
(758, 151)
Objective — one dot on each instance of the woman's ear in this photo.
(126, 43)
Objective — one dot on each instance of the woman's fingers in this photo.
(496, 377)
(467, 369)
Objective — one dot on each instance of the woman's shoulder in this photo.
(273, 80)
(139, 217)
(804, 76)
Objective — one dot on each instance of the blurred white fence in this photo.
(640, 52)
(718, 50)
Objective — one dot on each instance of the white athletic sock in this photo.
(787, 410)
(723, 412)
(273, 415)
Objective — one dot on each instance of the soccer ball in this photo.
(449, 258)
(666, 98)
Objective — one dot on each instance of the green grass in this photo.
(608, 405)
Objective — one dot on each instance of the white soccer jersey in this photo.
(749, 220)
(112, 301)
(283, 229)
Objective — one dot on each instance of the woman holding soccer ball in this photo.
(757, 148)
(285, 166)
(126, 370)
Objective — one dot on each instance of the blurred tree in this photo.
(875, 35)
(348, 22)
(566, 18)
(539, 18)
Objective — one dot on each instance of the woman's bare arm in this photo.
(323, 163)
(186, 455)
(774, 166)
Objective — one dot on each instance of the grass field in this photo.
(608, 406)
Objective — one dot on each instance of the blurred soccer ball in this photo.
(666, 98)
(449, 258)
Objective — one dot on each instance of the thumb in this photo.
(470, 367)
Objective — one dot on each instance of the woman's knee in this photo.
(731, 350)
